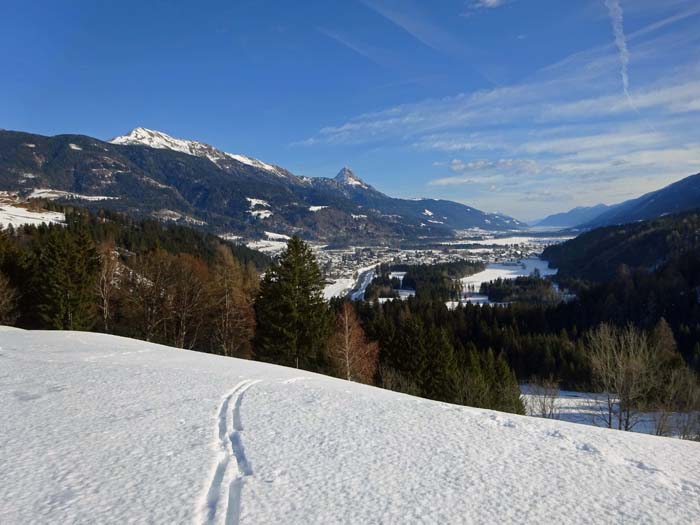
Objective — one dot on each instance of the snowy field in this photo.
(18, 216)
(507, 271)
(486, 240)
(338, 288)
(584, 408)
(101, 429)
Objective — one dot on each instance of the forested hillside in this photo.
(597, 255)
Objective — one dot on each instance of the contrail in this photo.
(615, 10)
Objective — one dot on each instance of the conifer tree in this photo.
(293, 320)
(69, 265)
(441, 371)
(8, 298)
(507, 398)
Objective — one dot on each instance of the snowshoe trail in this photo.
(222, 500)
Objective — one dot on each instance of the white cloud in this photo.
(568, 131)
(474, 5)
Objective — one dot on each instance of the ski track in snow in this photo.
(96, 430)
(219, 507)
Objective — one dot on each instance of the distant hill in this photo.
(149, 173)
(573, 217)
(678, 197)
(597, 254)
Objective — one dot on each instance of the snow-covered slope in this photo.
(160, 140)
(11, 214)
(101, 429)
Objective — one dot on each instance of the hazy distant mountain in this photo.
(573, 217)
(148, 172)
(680, 196)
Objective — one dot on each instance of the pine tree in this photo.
(8, 298)
(69, 265)
(293, 320)
(441, 372)
(506, 389)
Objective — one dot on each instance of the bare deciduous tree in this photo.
(623, 369)
(233, 288)
(189, 297)
(107, 284)
(542, 401)
(349, 351)
(676, 409)
(148, 280)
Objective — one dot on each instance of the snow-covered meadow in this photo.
(102, 429)
(15, 216)
(512, 270)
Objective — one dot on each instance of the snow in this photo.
(18, 216)
(277, 236)
(495, 271)
(102, 429)
(47, 193)
(160, 140)
(338, 288)
(75, 147)
(359, 216)
(317, 208)
(260, 214)
(586, 408)
(257, 213)
(427, 213)
(257, 202)
(256, 163)
(347, 176)
(268, 246)
(170, 215)
(508, 241)
(28, 145)
(230, 237)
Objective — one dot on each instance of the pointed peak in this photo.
(347, 176)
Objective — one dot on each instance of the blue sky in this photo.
(522, 106)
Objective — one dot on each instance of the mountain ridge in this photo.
(151, 173)
(573, 217)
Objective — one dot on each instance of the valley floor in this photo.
(104, 429)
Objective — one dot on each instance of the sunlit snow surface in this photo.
(18, 216)
(512, 270)
(100, 429)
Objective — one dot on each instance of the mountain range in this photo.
(573, 217)
(149, 173)
(678, 197)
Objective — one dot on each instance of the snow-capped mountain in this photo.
(347, 176)
(160, 140)
(150, 173)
